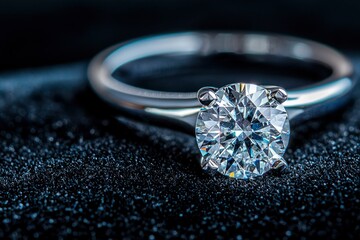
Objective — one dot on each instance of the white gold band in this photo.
(302, 103)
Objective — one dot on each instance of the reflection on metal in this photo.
(184, 105)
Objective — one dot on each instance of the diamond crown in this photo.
(242, 130)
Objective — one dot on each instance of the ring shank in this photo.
(310, 101)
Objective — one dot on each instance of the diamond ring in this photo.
(242, 128)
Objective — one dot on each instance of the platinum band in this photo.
(302, 103)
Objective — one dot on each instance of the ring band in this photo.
(300, 104)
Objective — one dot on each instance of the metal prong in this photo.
(279, 163)
(277, 93)
(206, 95)
(207, 163)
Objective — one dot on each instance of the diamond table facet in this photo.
(244, 132)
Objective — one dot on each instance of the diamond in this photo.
(244, 132)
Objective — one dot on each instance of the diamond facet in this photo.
(244, 132)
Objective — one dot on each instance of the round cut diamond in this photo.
(244, 132)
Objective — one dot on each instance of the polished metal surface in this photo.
(301, 104)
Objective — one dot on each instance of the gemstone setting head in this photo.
(245, 130)
(206, 95)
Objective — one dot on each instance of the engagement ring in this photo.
(242, 128)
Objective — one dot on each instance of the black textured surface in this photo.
(69, 169)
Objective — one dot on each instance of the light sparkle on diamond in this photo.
(244, 132)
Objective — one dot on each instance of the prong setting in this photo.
(207, 163)
(279, 163)
(206, 95)
(241, 114)
(277, 93)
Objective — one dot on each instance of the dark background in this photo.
(68, 169)
(44, 32)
